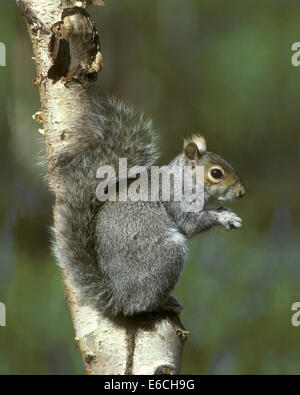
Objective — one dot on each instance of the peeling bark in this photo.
(68, 57)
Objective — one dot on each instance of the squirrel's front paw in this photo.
(228, 218)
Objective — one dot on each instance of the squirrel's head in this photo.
(221, 180)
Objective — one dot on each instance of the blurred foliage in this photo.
(221, 68)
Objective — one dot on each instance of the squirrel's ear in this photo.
(191, 151)
(195, 147)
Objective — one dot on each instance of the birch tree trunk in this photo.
(67, 57)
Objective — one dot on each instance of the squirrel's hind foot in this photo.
(172, 305)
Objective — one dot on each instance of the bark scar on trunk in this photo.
(74, 59)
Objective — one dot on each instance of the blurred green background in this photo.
(221, 68)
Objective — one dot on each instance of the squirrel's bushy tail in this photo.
(106, 131)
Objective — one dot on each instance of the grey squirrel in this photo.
(126, 257)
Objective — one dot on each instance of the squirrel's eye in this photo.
(216, 174)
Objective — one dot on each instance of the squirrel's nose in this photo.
(242, 191)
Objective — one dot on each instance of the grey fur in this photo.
(125, 257)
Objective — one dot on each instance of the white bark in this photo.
(101, 341)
